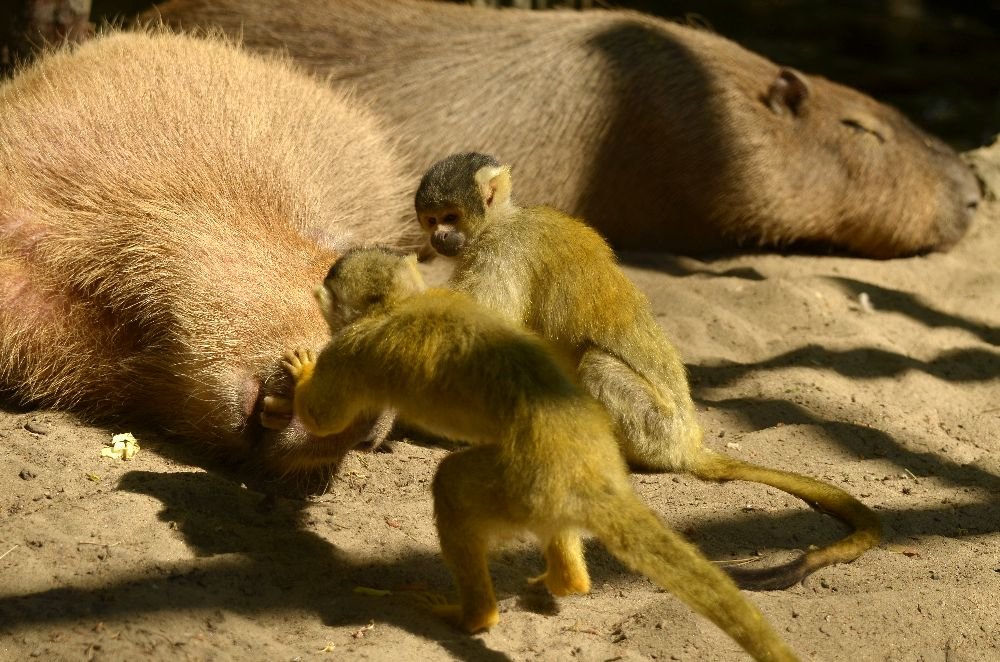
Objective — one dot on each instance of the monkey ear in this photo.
(788, 92)
(494, 185)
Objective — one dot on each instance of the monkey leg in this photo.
(565, 568)
(656, 431)
(469, 506)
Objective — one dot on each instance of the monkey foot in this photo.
(471, 623)
(561, 585)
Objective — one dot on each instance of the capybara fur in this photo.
(167, 205)
(663, 136)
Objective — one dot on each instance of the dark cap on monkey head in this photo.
(391, 255)
(451, 182)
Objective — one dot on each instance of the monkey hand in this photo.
(275, 412)
(300, 364)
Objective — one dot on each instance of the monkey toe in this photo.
(428, 599)
(562, 585)
(538, 579)
(480, 621)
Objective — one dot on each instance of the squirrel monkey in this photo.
(559, 278)
(546, 460)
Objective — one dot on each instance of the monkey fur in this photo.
(544, 455)
(559, 278)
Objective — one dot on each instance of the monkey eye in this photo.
(431, 220)
(450, 218)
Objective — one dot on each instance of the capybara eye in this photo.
(861, 128)
(854, 124)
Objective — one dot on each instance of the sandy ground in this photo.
(880, 377)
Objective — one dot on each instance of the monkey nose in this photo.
(448, 242)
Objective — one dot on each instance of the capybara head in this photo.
(864, 163)
(766, 154)
(167, 206)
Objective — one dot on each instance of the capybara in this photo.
(167, 204)
(663, 136)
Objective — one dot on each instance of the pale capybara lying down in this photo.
(662, 136)
(167, 205)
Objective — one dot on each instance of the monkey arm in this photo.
(322, 400)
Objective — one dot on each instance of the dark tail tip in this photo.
(775, 578)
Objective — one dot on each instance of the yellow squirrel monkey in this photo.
(559, 278)
(544, 458)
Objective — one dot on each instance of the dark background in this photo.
(938, 61)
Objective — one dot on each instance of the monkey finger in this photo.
(276, 404)
(428, 599)
(276, 412)
(291, 358)
(274, 421)
(295, 361)
(298, 358)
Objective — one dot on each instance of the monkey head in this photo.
(365, 279)
(458, 196)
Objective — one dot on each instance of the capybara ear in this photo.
(494, 185)
(788, 92)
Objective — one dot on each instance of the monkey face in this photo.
(365, 279)
(442, 226)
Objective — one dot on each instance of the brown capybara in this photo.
(662, 136)
(167, 205)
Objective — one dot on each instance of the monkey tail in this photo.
(637, 537)
(866, 528)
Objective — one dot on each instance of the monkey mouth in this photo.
(448, 243)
